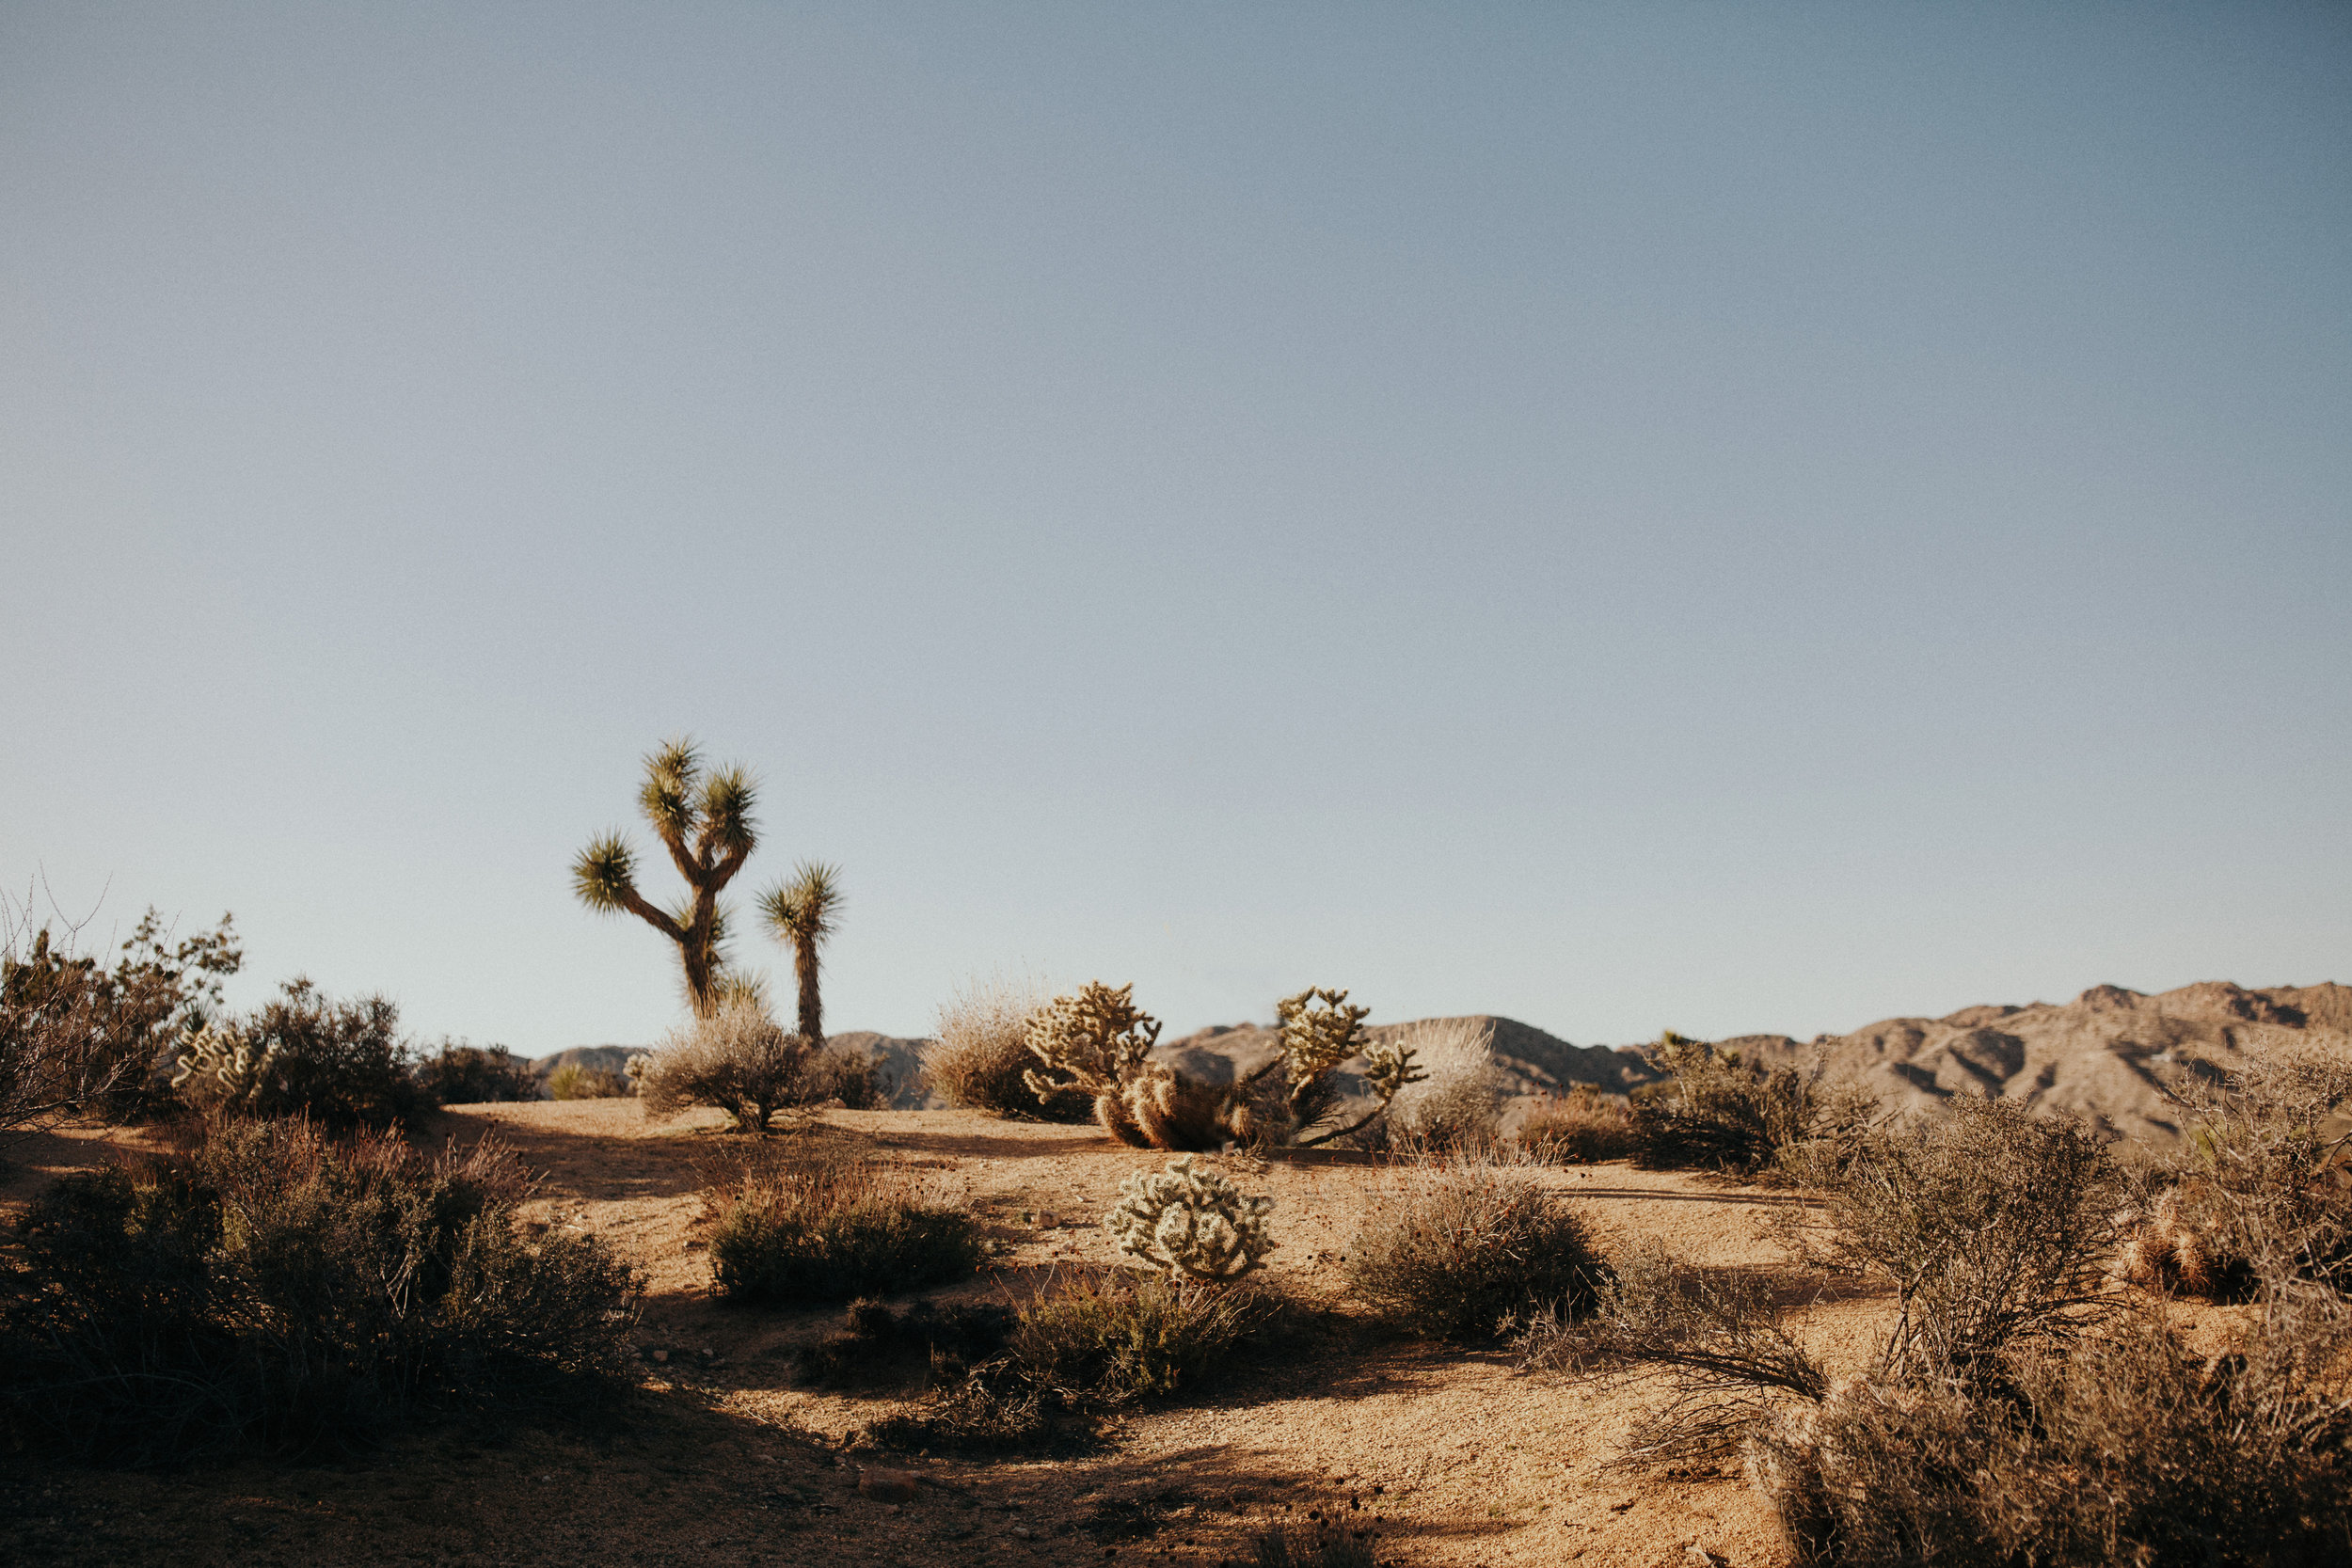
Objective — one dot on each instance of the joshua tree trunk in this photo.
(802, 912)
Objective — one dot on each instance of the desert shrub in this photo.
(1993, 1224)
(1091, 1346)
(1580, 1128)
(736, 1058)
(2262, 1187)
(1457, 1103)
(1129, 1337)
(807, 1232)
(1191, 1221)
(1719, 1111)
(579, 1081)
(982, 1057)
(78, 1038)
(949, 1340)
(2013, 1412)
(2128, 1449)
(342, 1064)
(476, 1075)
(1722, 1334)
(276, 1288)
(861, 1081)
(1458, 1250)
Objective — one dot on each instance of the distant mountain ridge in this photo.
(2106, 1057)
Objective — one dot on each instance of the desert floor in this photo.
(1459, 1457)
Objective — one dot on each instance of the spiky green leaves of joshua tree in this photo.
(801, 913)
(1191, 1221)
(704, 819)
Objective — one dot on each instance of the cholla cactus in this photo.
(1321, 1030)
(217, 1069)
(1190, 1221)
(1097, 1040)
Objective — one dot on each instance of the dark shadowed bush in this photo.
(1087, 1347)
(79, 1039)
(810, 1231)
(1457, 1250)
(874, 1341)
(342, 1064)
(476, 1075)
(278, 1288)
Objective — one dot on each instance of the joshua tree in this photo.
(705, 821)
(800, 912)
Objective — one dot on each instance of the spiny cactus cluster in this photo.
(218, 1068)
(1097, 1040)
(1192, 1221)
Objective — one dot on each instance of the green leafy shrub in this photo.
(1719, 1111)
(579, 1081)
(1459, 1250)
(278, 1288)
(476, 1075)
(811, 1232)
(1190, 1221)
(980, 1058)
(1583, 1126)
(342, 1064)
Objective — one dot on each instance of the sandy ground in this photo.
(1457, 1457)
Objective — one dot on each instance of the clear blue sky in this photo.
(1728, 517)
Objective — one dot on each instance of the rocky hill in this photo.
(2105, 1056)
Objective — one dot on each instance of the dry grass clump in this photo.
(982, 1057)
(737, 1059)
(1583, 1126)
(810, 1230)
(1718, 1112)
(1458, 1104)
(579, 1081)
(278, 1288)
(1457, 1249)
